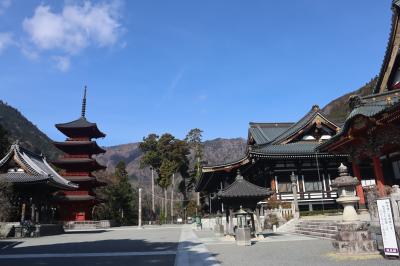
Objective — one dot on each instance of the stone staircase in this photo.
(326, 229)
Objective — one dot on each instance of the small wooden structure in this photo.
(242, 193)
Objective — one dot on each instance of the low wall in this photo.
(7, 229)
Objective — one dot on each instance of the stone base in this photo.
(354, 238)
(219, 230)
(243, 237)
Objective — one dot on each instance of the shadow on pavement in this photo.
(102, 246)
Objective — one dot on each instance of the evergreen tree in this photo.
(167, 155)
(120, 199)
(4, 141)
(194, 140)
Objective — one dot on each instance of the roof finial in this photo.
(84, 103)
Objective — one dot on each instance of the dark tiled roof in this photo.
(70, 128)
(80, 178)
(87, 162)
(368, 106)
(304, 121)
(88, 145)
(36, 166)
(78, 123)
(290, 148)
(243, 188)
(266, 132)
(22, 177)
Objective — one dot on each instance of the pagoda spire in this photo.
(84, 103)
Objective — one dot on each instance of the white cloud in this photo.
(4, 5)
(75, 28)
(5, 40)
(62, 63)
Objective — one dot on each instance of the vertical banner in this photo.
(390, 245)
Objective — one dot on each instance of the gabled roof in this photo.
(35, 169)
(266, 132)
(242, 188)
(391, 50)
(312, 115)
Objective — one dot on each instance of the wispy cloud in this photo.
(75, 28)
(6, 40)
(4, 5)
(175, 82)
(62, 63)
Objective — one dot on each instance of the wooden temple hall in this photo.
(275, 151)
(368, 142)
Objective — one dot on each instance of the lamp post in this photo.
(293, 178)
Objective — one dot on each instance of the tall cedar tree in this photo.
(194, 138)
(121, 198)
(167, 155)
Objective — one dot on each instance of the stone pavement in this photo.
(284, 249)
(172, 245)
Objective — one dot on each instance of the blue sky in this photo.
(169, 66)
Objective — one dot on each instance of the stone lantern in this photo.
(346, 186)
(219, 227)
(242, 236)
(353, 236)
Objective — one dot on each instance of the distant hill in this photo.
(338, 109)
(20, 128)
(215, 151)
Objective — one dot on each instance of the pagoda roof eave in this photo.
(95, 148)
(80, 124)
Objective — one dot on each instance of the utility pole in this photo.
(140, 208)
(172, 197)
(198, 173)
(153, 208)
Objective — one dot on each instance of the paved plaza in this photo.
(172, 245)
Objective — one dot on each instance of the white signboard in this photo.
(387, 227)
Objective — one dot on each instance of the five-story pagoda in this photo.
(77, 166)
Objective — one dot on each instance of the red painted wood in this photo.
(359, 189)
(380, 181)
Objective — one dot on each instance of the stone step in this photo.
(328, 227)
(318, 230)
(329, 236)
(319, 222)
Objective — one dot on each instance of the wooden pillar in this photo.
(380, 181)
(273, 184)
(359, 188)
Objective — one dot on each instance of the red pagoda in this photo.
(77, 166)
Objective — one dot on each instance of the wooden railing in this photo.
(310, 195)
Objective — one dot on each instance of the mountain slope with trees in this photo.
(20, 128)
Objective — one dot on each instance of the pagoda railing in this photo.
(78, 193)
(78, 139)
(76, 174)
(76, 156)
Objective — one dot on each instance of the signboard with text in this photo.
(390, 244)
